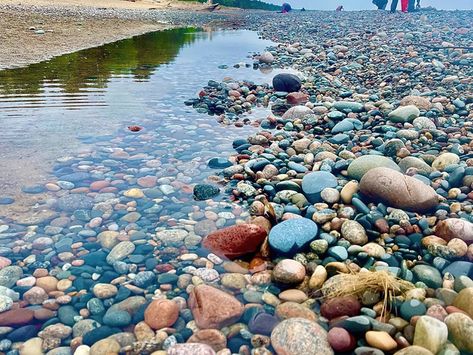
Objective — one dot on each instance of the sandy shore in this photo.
(45, 29)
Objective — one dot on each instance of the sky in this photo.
(367, 4)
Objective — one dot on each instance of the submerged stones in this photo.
(235, 241)
(161, 313)
(291, 236)
(398, 190)
(205, 191)
(213, 308)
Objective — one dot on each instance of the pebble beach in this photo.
(340, 223)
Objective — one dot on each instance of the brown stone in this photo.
(161, 313)
(235, 241)
(297, 98)
(451, 228)
(464, 301)
(213, 308)
(47, 283)
(294, 310)
(35, 295)
(340, 306)
(43, 314)
(418, 101)
(212, 337)
(16, 317)
(398, 190)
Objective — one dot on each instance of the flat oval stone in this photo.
(292, 235)
(360, 166)
(398, 190)
(235, 241)
(313, 184)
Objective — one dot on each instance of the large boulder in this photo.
(286, 82)
(213, 308)
(235, 241)
(398, 190)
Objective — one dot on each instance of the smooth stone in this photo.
(341, 340)
(292, 235)
(360, 166)
(213, 308)
(161, 313)
(414, 350)
(340, 306)
(354, 232)
(235, 241)
(314, 182)
(404, 114)
(428, 275)
(286, 82)
(411, 308)
(464, 301)
(398, 190)
(380, 340)
(430, 333)
(300, 336)
(289, 271)
(460, 331)
(451, 228)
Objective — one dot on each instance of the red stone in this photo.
(235, 241)
(16, 317)
(340, 340)
(98, 185)
(340, 306)
(297, 98)
(161, 313)
(213, 308)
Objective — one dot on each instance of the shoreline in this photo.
(48, 31)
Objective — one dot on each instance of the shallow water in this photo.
(72, 103)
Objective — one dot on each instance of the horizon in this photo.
(357, 5)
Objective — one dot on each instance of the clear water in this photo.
(81, 103)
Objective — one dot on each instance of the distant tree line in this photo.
(246, 4)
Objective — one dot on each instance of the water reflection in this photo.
(92, 68)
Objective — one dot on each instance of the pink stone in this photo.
(4, 262)
(147, 181)
(340, 340)
(98, 185)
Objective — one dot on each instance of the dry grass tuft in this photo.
(375, 281)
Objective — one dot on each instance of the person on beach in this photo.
(406, 5)
(381, 4)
